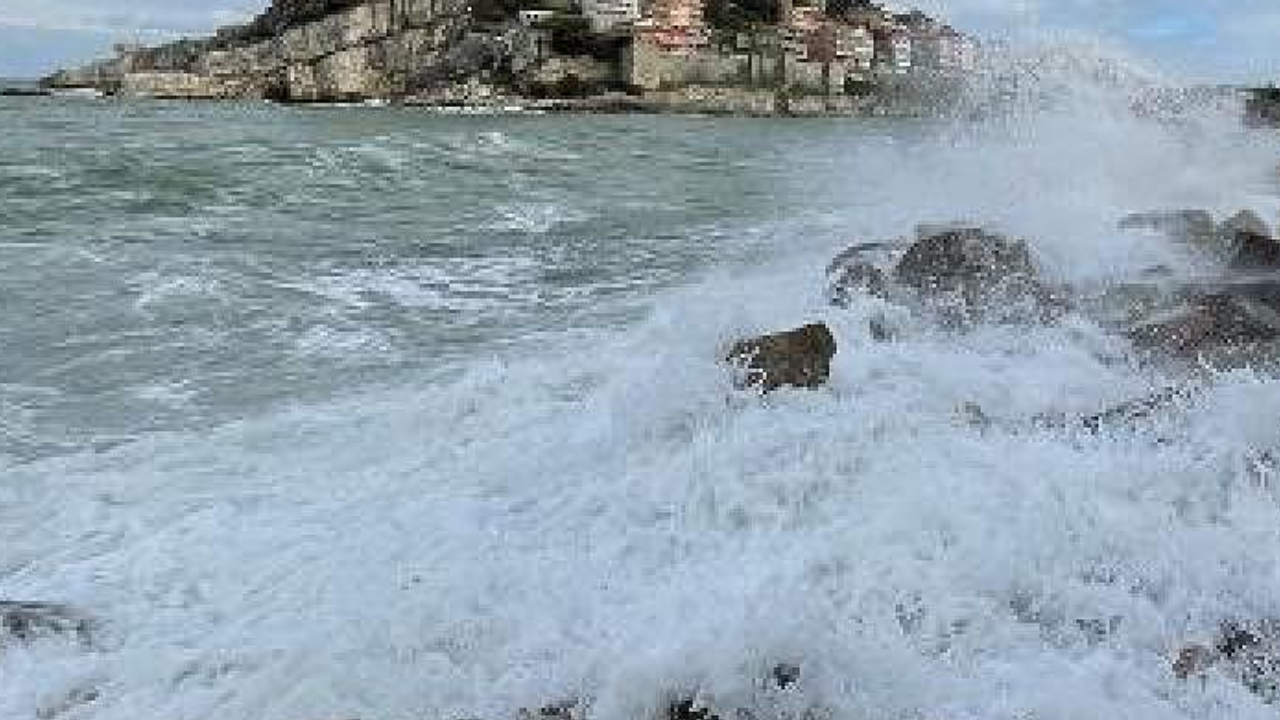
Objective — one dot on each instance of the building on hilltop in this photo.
(855, 45)
(674, 26)
(893, 49)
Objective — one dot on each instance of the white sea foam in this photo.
(604, 518)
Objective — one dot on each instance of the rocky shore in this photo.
(957, 279)
(438, 54)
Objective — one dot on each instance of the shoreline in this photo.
(687, 102)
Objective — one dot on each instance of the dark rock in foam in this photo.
(798, 358)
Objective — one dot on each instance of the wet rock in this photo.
(1246, 221)
(974, 272)
(1249, 652)
(1128, 414)
(785, 675)
(798, 358)
(1126, 303)
(71, 701)
(858, 278)
(29, 621)
(690, 710)
(881, 330)
(1212, 321)
(1255, 251)
(567, 710)
(1193, 226)
(854, 254)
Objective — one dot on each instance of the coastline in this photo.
(708, 103)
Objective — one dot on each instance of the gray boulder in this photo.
(798, 358)
(971, 273)
(1208, 323)
(858, 278)
(1245, 221)
(30, 621)
(1255, 252)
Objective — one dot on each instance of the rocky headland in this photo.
(495, 55)
(298, 50)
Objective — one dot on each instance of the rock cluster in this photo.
(1240, 310)
(30, 621)
(963, 274)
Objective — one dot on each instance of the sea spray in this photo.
(595, 515)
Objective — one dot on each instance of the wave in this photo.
(597, 515)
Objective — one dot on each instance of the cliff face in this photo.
(298, 50)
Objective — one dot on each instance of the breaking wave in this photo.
(596, 515)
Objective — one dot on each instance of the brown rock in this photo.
(975, 272)
(799, 358)
(1211, 322)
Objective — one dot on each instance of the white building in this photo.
(605, 15)
(529, 18)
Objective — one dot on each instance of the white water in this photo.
(598, 515)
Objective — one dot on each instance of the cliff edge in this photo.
(297, 50)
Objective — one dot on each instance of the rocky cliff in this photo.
(297, 50)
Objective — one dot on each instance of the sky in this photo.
(1203, 40)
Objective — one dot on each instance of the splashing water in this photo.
(595, 514)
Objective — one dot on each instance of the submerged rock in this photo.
(857, 278)
(798, 358)
(1210, 322)
(1127, 414)
(29, 621)
(975, 272)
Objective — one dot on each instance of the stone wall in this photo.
(649, 68)
(587, 69)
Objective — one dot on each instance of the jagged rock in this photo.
(1254, 251)
(854, 254)
(1195, 226)
(1126, 414)
(1212, 321)
(689, 710)
(784, 675)
(1249, 652)
(28, 621)
(858, 278)
(798, 358)
(1245, 221)
(975, 272)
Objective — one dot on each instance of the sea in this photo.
(325, 413)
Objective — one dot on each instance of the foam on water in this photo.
(599, 515)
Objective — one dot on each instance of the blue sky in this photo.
(1231, 40)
